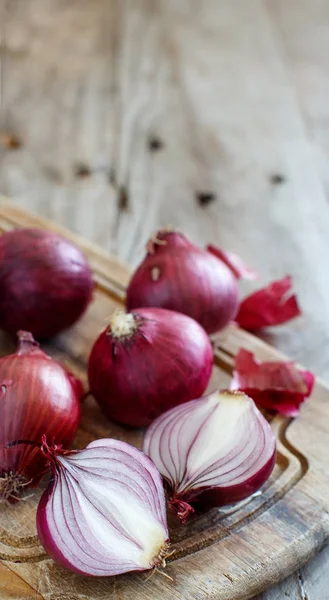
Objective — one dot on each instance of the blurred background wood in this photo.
(119, 116)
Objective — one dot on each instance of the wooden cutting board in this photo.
(229, 554)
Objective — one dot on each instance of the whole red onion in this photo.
(45, 282)
(177, 275)
(37, 396)
(148, 361)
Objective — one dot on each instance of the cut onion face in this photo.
(104, 513)
(212, 451)
(279, 386)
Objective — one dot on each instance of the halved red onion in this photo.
(272, 305)
(238, 267)
(274, 385)
(177, 275)
(212, 451)
(104, 512)
(148, 361)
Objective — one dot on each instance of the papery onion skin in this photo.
(108, 480)
(272, 305)
(166, 361)
(179, 276)
(239, 269)
(213, 451)
(37, 396)
(45, 282)
(274, 385)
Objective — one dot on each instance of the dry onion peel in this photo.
(212, 451)
(104, 512)
(274, 304)
(238, 267)
(279, 386)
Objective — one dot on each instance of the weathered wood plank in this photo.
(13, 587)
(286, 590)
(303, 29)
(315, 577)
(57, 96)
(310, 583)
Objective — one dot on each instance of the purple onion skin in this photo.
(37, 396)
(185, 279)
(45, 282)
(167, 362)
(221, 496)
(46, 538)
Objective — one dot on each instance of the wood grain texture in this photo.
(13, 587)
(303, 31)
(236, 91)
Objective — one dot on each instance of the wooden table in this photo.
(118, 116)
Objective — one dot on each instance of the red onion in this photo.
(212, 451)
(104, 512)
(37, 396)
(45, 282)
(146, 362)
(177, 275)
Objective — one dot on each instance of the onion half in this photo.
(104, 512)
(212, 451)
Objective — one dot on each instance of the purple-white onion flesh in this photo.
(104, 512)
(212, 451)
